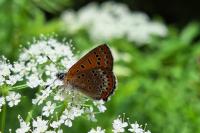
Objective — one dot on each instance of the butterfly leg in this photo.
(73, 95)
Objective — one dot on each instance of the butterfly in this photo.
(92, 74)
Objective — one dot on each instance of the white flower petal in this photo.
(13, 98)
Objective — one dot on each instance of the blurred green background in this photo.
(158, 80)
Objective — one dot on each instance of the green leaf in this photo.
(52, 6)
(189, 33)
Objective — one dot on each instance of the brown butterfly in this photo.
(92, 74)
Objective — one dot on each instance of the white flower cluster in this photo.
(6, 76)
(119, 126)
(37, 64)
(38, 126)
(76, 106)
(97, 130)
(113, 20)
(12, 98)
(33, 63)
(36, 70)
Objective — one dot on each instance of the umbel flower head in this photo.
(114, 21)
(58, 106)
(120, 126)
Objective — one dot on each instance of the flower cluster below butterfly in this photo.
(92, 74)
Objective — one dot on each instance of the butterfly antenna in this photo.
(51, 60)
(50, 84)
(54, 64)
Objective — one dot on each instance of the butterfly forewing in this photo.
(99, 57)
(92, 74)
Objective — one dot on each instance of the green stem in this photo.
(30, 114)
(3, 115)
(63, 108)
(19, 87)
(3, 118)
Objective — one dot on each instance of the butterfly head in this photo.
(60, 76)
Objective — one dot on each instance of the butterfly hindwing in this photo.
(110, 85)
(98, 83)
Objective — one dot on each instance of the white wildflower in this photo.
(2, 79)
(13, 98)
(2, 102)
(119, 125)
(69, 115)
(39, 125)
(24, 127)
(100, 105)
(5, 68)
(58, 83)
(37, 54)
(40, 98)
(33, 81)
(60, 131)
(136, 128)
(68, 122)
(90, 114)
(48, 109)
(18, 67)
(114, 20)
(66, 118)
(51, 69)
(98, 130)
(13, 79)
(67, 63)
(41, 59)
(55, 124)
(59, 96)
(76, 111)
(50, 131)
(9, 73)
(31, 67)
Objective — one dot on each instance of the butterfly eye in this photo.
(60, 76)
